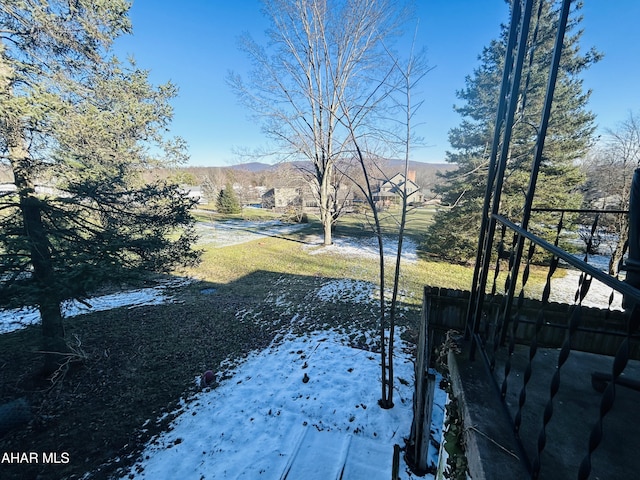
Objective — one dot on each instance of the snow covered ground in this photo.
(563, 290)
(268, 420)
(234, 232)
(286, 408)
(367, 247)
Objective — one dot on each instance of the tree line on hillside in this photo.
(250, 184)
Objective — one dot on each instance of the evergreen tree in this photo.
(227, 201)
(77, 130)
(454, 234)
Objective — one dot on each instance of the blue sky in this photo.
(193, 44)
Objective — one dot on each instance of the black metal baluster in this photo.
(608, 396)
(492, 323)
(501, 315)
(515, 319)
(533, 347)
(583, 276)
(575, 319)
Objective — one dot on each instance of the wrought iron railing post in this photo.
(501, 165)
(491, 175)
(632, 264)
(542, 133)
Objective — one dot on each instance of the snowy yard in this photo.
(302, 399)
(300, 393)
(235, 232)
(366, 248)
(306, 405)
(282, 408)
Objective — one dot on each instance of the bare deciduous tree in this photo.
(396, 135)
(610, 171)
(319, 53)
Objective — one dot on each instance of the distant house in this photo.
(282, 197)
(390, 190)
(194, 192)
(302, 196)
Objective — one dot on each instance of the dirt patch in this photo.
(138, 363)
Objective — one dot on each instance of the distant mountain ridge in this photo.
(252, 166)
(413, 165)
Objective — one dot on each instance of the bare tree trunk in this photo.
(325, 205)
(396, 274)
(622, 227)
(385, 380)
(407, 83)
(405, 86)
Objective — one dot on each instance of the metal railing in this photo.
(496, 336)
(510, 342)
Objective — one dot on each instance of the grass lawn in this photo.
(135, 364)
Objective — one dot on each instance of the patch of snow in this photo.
(347, 290)
(563, 290)
(235, 232)
(368, 248)
(17, 318)
(255, 424)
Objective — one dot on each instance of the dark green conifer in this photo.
(78, 131)
(227, 201)
(454, 234)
